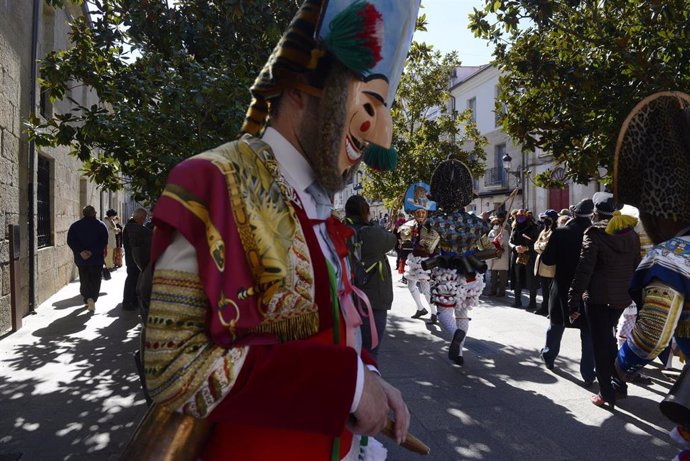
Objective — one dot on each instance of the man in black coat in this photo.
(563, 251)
(88, 240)
(136, 239)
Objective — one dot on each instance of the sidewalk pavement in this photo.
(68, 385)
(69, 389)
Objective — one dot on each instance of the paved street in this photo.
(69, 391)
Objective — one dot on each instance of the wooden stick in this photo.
(411, 442)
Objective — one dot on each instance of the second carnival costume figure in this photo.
(651, 169)
(423, 241)
(457, 276)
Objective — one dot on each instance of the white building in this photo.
(354, 187)
(476, 87)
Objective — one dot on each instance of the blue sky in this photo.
(447, 25)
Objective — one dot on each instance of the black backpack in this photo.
(360, 272)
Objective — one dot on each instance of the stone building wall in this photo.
(68, 190)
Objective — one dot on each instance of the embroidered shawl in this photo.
(233, 201)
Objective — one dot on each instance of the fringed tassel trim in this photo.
(291, 329)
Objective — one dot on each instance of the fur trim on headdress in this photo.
(652, 161)
(452, 185)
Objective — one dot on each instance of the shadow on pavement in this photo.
(73, 397)
(495, 407)
(70, 302)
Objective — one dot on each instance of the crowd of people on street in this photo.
(98, 248)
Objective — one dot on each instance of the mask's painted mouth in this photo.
(354, 149)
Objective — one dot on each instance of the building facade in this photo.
(41, 190)
(477, 88)
(376, 208)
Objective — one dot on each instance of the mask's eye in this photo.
(370, 109)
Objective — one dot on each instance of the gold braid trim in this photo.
(291, 328)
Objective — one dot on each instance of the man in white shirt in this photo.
(252, 323)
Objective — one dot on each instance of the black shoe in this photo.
(434, 320)
(547, 363)
(403, 280)
(641, 379)
(532, 308)
(517, 305)
(459, 360)
(419, 314)
(542, 312)
(620, 388)
(454, 348)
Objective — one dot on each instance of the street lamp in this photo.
(507, 162)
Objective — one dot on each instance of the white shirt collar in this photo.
(293, 164)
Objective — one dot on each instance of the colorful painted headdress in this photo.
(452, 185)
(652, 164)
(417, 198)
(369, 37)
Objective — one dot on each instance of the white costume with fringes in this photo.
(452, 292)
(418, 279)
(455, 296)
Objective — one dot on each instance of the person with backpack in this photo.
(371, 269)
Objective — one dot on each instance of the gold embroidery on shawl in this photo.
(196, 206)
(262, 204)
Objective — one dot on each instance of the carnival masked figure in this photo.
(651, 173)
(457, 275)
(252, 324)
(423, 241)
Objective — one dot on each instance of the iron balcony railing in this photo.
(496, 176)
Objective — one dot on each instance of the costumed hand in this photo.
(520, 249)
(401, 414)
(574, 313)
(85, 254)
(372, 413)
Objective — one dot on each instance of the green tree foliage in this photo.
(172, 81)
(573, 70)
(426, 128)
